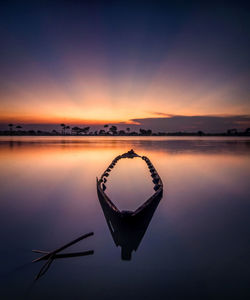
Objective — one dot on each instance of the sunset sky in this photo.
(141, 62)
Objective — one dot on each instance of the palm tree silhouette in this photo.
(11, 128)
(63, 128)
(67, 127)
(105, 126)
(113, 129)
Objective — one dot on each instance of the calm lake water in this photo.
(197, 245)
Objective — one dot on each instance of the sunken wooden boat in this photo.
(128, 227)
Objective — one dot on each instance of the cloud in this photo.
(162, 114)
(211, 124)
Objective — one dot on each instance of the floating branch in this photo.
(63, 247)
(73, 254)
(50, 256)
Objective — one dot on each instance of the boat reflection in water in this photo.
(128, 227)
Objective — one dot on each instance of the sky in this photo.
(149, 63)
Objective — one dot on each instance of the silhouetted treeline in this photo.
(110, 130)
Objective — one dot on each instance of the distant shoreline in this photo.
(240, 134)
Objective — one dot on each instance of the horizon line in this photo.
(134, 121)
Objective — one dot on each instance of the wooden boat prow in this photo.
(128, 227)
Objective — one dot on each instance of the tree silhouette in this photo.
(122, 132)
(63, 128)
(149, 132)
(113, 129)
(11, 127)
(102, 132)
(85, 130)
(54, 132)
(76, 130)
(128, 129)
(143, 131)
(19, 127)
(67, 127)
(232, 131)
(106, 126)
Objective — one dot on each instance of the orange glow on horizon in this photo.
(70, 121)
(94, 98)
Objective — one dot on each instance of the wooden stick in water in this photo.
(40, 251)
(63, 247)
(73, 254)
(44, 268)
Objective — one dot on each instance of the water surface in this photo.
(197, 244)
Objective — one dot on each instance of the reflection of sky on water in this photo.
(197, 243)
